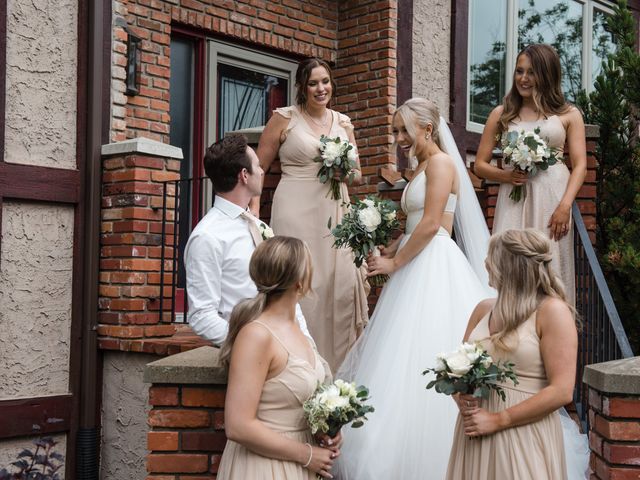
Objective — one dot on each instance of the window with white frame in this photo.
(499, 29)
(245, 86)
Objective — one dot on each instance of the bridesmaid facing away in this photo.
(536, 100)
(532, 325)
(273, 369)
(337, 311)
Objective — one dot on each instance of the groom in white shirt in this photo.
(219, 248)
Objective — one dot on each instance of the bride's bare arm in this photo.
(440, 174)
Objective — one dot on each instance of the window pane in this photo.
(181, 105)
(602, 42)
(558, 23)
(247, 98)
(487, 56)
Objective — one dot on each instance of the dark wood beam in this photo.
(35, 416)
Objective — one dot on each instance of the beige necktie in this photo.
(253, 228)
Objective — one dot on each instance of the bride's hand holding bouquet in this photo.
(367, 224)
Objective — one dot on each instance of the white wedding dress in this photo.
(424, 310)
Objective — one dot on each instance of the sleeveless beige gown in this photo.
(336, 310)
(543, 194)
(280, 409)
(529, 452)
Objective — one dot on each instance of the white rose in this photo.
(351, 155)
(347, 388)
(368, 202)
(458, 363)
(390, 216)
(507, 151)
(471, 351)
(332, 398)
(440, 365)
(266, 231)
(331, 152)
(370, 218)
(486, 363)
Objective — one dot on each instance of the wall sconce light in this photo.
(133, 64)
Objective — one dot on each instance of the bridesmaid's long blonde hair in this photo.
(276, 266)
(519, 266)
(547, 95)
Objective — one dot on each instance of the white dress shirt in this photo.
(216, 261)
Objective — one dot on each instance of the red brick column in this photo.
(366, 76)
(614, 419)
(134, 172)
(186, 421)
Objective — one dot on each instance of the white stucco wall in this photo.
(36, 260)
(124, 415)
(41, 100)
(431, 52)
(10, 449)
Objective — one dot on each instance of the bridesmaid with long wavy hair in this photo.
(532, 325)
(536, 100)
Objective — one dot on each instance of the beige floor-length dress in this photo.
(529, 452)
(336, 311)
(543, 194)
(280, 409)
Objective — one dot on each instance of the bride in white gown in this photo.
(423, 310)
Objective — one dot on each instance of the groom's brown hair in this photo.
(225, 159)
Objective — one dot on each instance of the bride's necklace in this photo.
(322, 123)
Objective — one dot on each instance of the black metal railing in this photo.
(184, 203)
(602, 337)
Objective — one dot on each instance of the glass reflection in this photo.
(560, 25)
(487, 56)
(602, 42)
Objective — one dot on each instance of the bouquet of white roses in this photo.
(527, 152)
(337, 156)
(368, 223)
(470, 370)
(333, 406)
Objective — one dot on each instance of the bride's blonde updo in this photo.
(519, 266)
(419, 112)
(276, 266)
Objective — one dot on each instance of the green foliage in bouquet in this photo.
(614, 105)
(368, 223)
(470, 370)
(337, 156)
(333, 406)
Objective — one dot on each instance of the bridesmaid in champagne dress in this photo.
(531, 325)
(336, 311)
(273, 370)
(536, 100)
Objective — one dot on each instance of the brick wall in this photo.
(131, 247)
(358, 37)
(294, 28)
(614, 419)
(366, 77)
(186, 434)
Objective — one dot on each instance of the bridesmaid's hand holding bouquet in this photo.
(470, 370)
(527, 152)
(335, 405)
(338, 158)
(368, 223)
